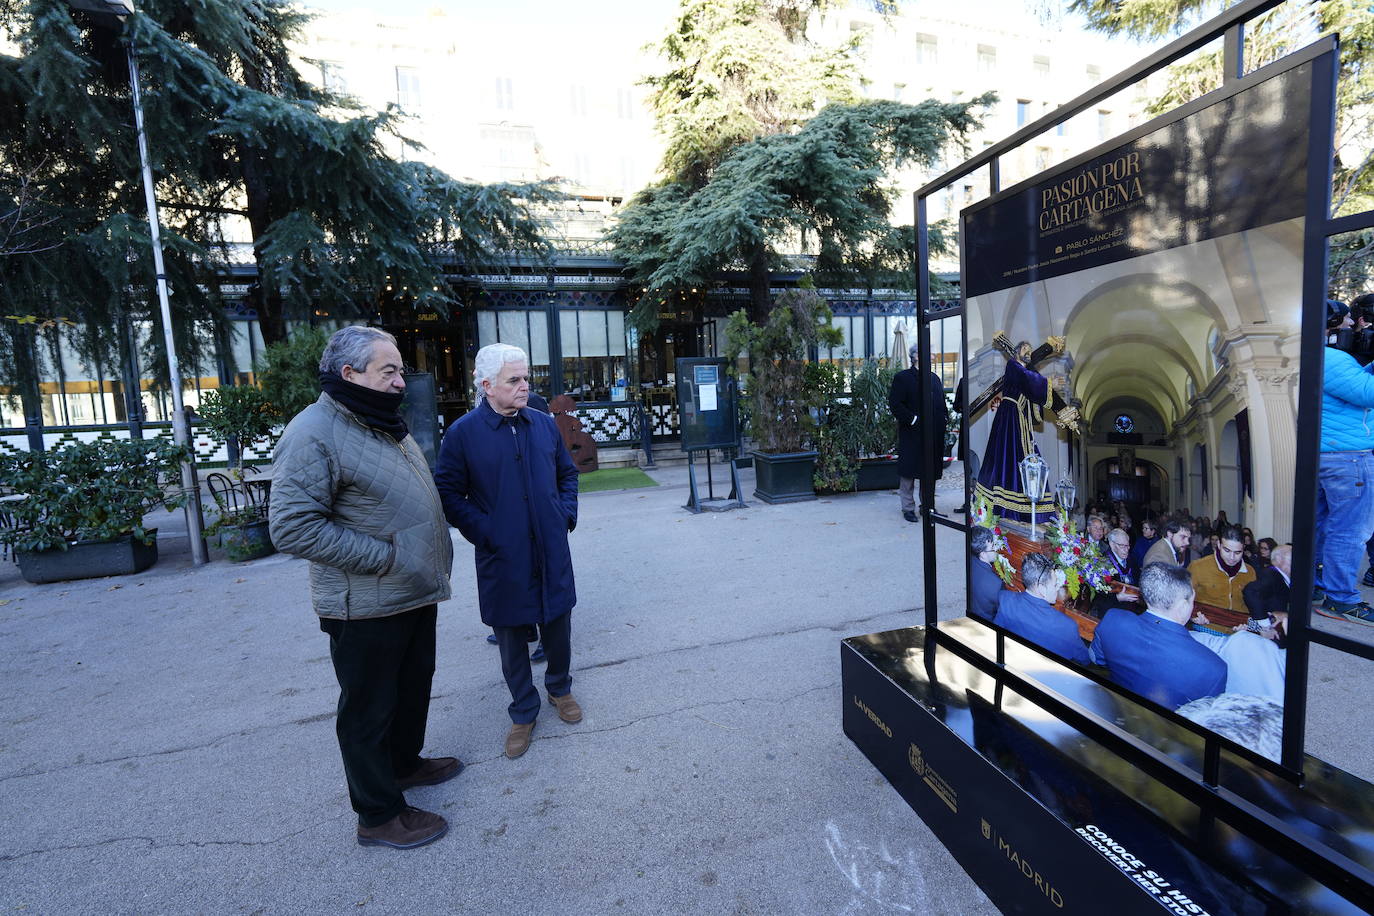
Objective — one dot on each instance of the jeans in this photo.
(1345, 520)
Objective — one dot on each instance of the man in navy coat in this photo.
(510, 486)
(985, 586)
(1031, 614)
(1152, 653)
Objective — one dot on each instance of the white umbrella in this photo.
(899, 355)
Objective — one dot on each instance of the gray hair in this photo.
(980, 539)
(1165, 585)
(352, 346)
(1120, 531)
(1036, 568)
(489, 361)
(1254, 722)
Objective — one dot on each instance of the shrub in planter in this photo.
(244, 534)
(238, 414)
(89, 492)
(782, 395)
(856, 427)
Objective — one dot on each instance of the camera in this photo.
(1358, 341)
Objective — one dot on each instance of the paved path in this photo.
(168, 740)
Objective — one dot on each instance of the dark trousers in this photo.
(385, 667)
(515, 664)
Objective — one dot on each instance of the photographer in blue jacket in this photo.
(1345, 475)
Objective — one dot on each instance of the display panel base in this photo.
(1047, 821)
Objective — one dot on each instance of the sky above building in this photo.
(626, 25)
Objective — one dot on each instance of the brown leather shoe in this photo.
(411, 828)
(568, 710)
(431, 772)
(518, 741)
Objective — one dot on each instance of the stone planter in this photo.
(247, 541)
(877, 474)
(785, 478)
(87, 560)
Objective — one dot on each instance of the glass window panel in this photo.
(616, 323)
(538, 338)
(486, 328)
(593, 327)
(512, 329)
(567, 329)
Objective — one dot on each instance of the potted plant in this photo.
(238, 415)
(857, 434)
(781, 422)
(243, 533)
(82, 512)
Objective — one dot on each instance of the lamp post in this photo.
(1035, 475)
(117, 10)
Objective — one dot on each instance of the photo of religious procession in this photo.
(1133, 428)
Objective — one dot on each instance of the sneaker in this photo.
(1361, 613)
(1368, 580)
(491, 638)
(431, 772)
(538, 654)
(1333, 609)
(567, 707)
(407, 830)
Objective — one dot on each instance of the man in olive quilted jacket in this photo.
(351, 493)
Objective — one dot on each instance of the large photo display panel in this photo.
(1133, 323)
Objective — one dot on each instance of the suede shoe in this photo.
(431, 772)
(407, 830)
(518, 741)
(567, 707)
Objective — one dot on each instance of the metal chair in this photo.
(226, 494)
(7, 521)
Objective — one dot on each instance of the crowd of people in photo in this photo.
(1154, 637)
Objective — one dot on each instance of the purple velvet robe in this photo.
(999, 479)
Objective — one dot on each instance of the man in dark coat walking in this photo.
(510, 487)
(908, 401)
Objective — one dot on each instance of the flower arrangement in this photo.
(1077, 556)
(984, 516)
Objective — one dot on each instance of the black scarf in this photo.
(380, 410)
(1231, 571)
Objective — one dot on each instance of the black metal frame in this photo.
(1318, 227)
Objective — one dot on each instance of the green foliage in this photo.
(777, 382)
(289, 372)
(855, 427)
(769, 144)
(241, 411)
(234, 132)
(740, 70)
(826, 183)
(90, 491)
